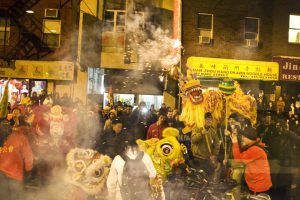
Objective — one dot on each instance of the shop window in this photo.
(4, 31)
(96, 81)
(294, 29)
(51, 33)
(115, 20)
(251, 34)
(205, 26)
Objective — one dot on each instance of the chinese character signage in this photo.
(56, 70)
(236, 69)
(289, 68)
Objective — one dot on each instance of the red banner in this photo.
(289, 68)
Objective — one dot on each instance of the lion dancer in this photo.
(53, 133)
(201, 112)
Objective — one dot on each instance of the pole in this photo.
(226, 127)
(177, 15)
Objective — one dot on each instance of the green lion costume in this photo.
(165, 153)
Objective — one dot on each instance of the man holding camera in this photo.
(205, 146)
(248, 149)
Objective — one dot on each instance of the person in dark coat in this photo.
(112, 140)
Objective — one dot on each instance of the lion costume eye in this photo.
(166, 148)
(98, 173)
(79, 166)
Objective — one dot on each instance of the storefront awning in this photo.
(236, 69)
(55, 70)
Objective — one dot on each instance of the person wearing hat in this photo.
(205, 145)
(251, 152)
(112, 115)
(112, 139)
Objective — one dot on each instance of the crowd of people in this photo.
(266, 154)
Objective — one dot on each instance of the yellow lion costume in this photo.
(196, 102)
(165, 153)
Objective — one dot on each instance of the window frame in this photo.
(115, 20)
(257, 38)
(45, 33)
(205, 29)
(6, 31)
(298, 43)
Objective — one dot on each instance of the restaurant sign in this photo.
(289, 68)
(55, 70)
(236, 69)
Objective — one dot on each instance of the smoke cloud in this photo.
(152, 43)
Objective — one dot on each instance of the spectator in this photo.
(297, 109)
(270, 108)
(108, 122)
(125, 117)
(261, 102)
(15, 156)
(130, 173)
(112, 140)
(139, 115)
(251, 152)
(48, 100)
(170, 118)
(291, 110)
(139, 120)
(34, 99)
(25, 99)
(163, 110)
(155, 129)
(152, 116)
(42, 97)
(280, 106)
(119, 109)
(105, 114)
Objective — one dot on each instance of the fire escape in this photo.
(30, 44)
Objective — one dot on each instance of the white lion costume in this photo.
(88, 170)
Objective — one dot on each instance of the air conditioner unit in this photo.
(250, 35)
(251, 43)
(204, 40)
(51, 13)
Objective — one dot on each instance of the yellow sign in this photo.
(236, 69)
(56, 70)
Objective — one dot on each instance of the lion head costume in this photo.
(165, 153)
(87, 169)
(196, 102)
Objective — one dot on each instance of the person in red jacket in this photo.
(15, 156)
(155, 130)
(251, 152)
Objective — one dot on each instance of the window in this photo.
(115, 20)
(51, 33)
(96, 81)
(4, 31)
(51, 13)
(294, 29)
(205, 26)
(251, 34)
